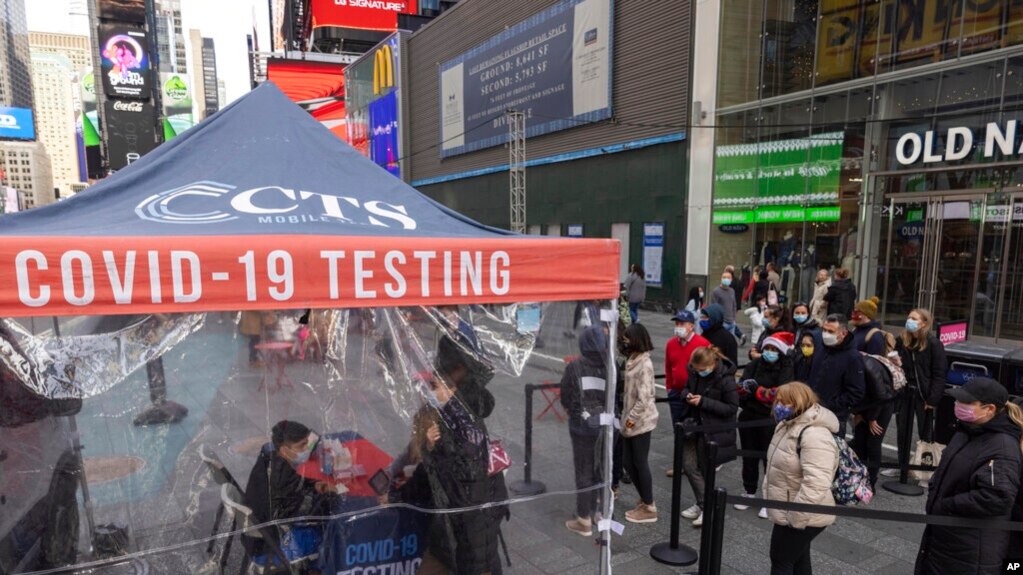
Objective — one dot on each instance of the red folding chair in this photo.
(553, 396)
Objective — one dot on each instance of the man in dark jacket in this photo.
(841, 296)
(838, 378)
(979, 477)
(276, 491)
(714, 331)
(869, 334)
(583, 388)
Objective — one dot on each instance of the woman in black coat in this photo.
(923, 359)
(978, 477)
(841, 296)
(712, 398)
(760, 379)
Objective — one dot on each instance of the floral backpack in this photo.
(852, 479)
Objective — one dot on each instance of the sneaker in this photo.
(671, 472)
(581, 526)
(615, 492)
(693, 512)
(698, 522)
(763, 513)
(643, 513)
(741, 507)
(743, 340)
(893, 472)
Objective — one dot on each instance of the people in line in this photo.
(869, 334)
(639, 419)
(583, 388)
(714, 329)
(695, 300)
(841, 295)
(724, 296)
(677, 353)
(837, 378)
(635, 291)
(819, 307)
(872, 415)
(275, 491)
(755, 313)
(712, 398)
(801, 464)
(618, 446)
(776, 319)
(761, 379)
(804, 322)
(759, 285)
(773, 279)
(809, 350)
(978, 477)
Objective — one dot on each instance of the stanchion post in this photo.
(672, 552)
(720, 500)
(903, 486)
(527, 486)
(709, 485)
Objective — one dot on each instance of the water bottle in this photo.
(326, 460)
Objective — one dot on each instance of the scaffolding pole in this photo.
(517, 169)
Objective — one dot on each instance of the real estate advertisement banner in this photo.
(555, 67)
(778, 173)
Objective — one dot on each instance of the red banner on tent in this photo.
(362, 14)
(117, 275)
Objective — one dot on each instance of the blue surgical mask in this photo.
(770, 356)
(726, 282)
(705, 372)
(704, 324)
(912, 325)
(782, 412)
(800, 318)
(765, 322)
(303, 456)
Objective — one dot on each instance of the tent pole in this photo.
(76, 442)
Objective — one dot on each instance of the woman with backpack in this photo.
(978, 477)
(712, 398)
(801, 465)
(762, 377)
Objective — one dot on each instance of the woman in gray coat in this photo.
(635, 290)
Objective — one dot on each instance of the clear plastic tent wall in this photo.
(146, 444)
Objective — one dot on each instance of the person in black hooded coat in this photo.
(712, 324)
(978, 477)
(841, 296)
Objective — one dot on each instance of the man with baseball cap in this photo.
(677, 353)
(978, 477)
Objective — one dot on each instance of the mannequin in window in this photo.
(786, 248)
(808, 271)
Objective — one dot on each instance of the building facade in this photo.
(15, 59)
(59, 62)
(198, 85)
(26, 168)
(211, 98)
(881, 137)
(605, 143)
(169, 38)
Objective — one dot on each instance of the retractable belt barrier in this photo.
(527, 486)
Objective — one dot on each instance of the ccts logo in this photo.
(190, 204)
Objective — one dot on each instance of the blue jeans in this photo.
(733, 328)
(634, 312)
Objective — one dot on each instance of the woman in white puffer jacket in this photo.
(801, 464)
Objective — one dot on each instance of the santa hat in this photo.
(782, 340)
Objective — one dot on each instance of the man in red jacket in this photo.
(676, 363)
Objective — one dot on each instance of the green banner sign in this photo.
(778, 215)
(779, 173)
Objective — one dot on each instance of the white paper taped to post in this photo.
(608, 315)
(594, 383)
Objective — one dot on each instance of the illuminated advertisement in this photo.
(123, 10)
(130, 131)
(373, 105)
(379, 15)
(125, 56)
(383, 119)
(554, 67)
(177, 104)
(17, 124)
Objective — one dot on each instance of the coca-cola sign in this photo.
(122, 106)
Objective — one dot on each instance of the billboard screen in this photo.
(17, 124)
(130, 131)
(177, 104)
(555, 67)
(379, 15)
(383, 119)
(123, 10)
(304, 80)
(125, 55)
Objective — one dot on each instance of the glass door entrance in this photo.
(960, 256)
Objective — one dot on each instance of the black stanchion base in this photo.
(683, 555)
(907, 489)
(527, 488)
(164, 413)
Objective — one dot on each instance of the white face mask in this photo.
(830, 339)
(681, 332)
(303, 456)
